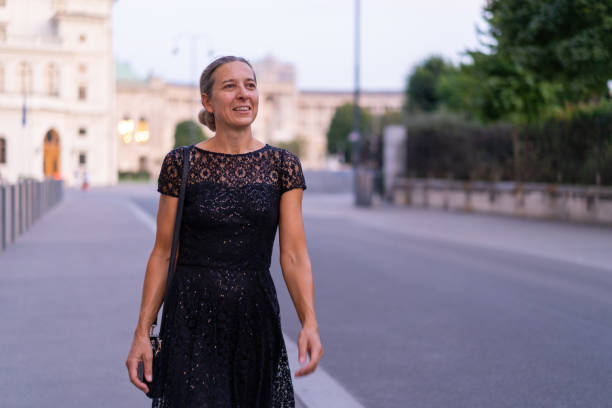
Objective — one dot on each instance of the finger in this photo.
(148, 368)
(302, 346)
(132, 366)
(315, 356)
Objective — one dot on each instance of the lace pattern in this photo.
(222, 341)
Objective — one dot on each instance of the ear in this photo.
(206, 103)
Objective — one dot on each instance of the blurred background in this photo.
(458, 157)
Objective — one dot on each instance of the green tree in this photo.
(564, 41)
(341, 126)
(295, 146)
(182, 133)
(493, 88)
(421, 87)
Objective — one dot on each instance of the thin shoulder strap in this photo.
(177, 227)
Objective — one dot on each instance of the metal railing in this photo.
(23, 203)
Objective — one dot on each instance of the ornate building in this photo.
(67, 111)
(285, 114)
(57, 91)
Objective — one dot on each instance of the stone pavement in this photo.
(70, 294)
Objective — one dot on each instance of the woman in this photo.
(222, 340)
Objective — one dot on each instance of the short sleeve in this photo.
(291, 172)
(170, 175)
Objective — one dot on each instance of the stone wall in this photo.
(576, 203)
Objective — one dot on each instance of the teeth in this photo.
(242, 109)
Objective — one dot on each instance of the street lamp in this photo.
(193, 42)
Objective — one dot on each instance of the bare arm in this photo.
(157, 267)
(153, 290)
(297, 272)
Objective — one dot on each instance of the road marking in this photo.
(316, 390)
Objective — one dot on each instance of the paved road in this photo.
(431, 309)
(416, 308)
(69, 298)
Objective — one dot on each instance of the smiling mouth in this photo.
(242, 109)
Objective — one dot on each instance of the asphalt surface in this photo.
(416, 308)
(431, 309)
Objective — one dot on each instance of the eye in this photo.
(228, 85)
(251, 85)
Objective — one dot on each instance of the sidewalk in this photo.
(70, 293)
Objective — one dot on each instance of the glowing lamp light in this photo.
(127, 138)
(126, 129)
(142, 132)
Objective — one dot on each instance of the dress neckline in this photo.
(231, 154)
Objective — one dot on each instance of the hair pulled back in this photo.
(207, 81)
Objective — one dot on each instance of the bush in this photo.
(142, 175)
(570, 147)
(446, 146)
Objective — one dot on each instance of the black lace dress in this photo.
(222, 343)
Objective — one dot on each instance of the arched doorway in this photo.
(51, 154)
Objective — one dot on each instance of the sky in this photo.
(316, 36)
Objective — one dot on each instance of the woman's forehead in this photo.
(235, 70)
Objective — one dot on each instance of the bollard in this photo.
(3, 215)
(12, 213)
(27, 204)
(23, 203)
(19, 208)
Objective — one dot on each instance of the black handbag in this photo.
(156, 339)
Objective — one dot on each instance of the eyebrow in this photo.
(233, 80)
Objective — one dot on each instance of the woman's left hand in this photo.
(309, 343)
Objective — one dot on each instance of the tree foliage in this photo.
(421, 90)
(564, 41)
(342, 125)
(493, 88)
(182, 133)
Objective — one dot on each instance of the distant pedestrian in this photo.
(222, 344)
(85, 184)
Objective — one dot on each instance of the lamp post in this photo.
(361, 176)
(355, 134)
(193, 43)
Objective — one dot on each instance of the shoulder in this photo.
(175, 156)
(284, 155)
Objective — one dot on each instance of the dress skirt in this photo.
(222, 343)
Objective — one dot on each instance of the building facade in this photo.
(285, 114)
(57, 91)
(68, 111)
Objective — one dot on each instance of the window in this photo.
(82, 69)
(82, 131)
(82, 38)
(2, 32)
(82, 158)
(2, 3)
(1, 78)
(82, 92)
(52, 80)
(25, 77)
(2, 150)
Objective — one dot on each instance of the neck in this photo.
(233, 141)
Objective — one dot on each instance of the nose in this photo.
(242, 92)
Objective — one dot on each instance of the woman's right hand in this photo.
(140, 351)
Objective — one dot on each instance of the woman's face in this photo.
(235, 97)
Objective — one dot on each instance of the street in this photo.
(416, 308)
